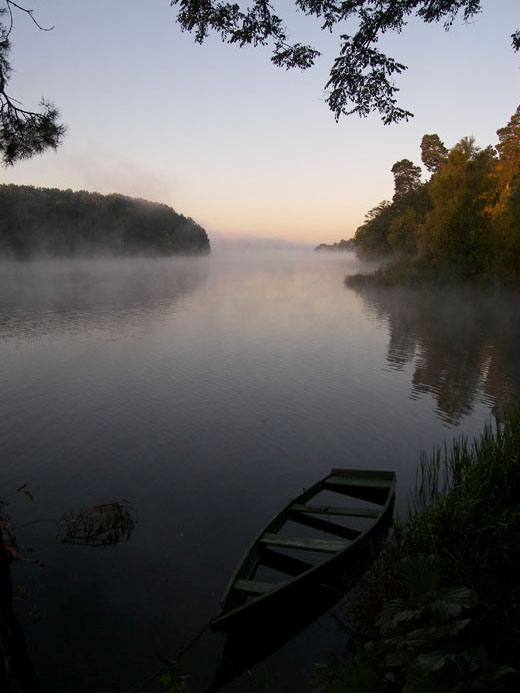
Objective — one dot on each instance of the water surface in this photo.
(207, 392)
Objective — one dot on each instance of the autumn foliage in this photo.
(462, 223)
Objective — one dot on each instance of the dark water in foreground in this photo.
(207, 392)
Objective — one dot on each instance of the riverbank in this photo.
(440, 610)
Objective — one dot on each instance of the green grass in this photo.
(466, 510)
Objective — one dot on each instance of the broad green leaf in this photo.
(457, 596)
(420, 573)
(360, 678)
(503, 670)
(433, 661)
(329, 678)
(420, 679)
(393, 607)
(448, 630)
(414, 640)
(406, 616)
(398, 659)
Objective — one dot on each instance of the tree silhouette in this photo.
(433, 152)
(23, 133)
(407, 177)
(362, 76)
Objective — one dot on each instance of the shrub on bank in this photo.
(417, 272)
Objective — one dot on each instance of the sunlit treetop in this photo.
(509, 140)
(508, 165)
(362, 76)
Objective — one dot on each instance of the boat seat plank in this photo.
(253, 587)
(283, 563)
(323, 525)
(363, 474)
(332, 510)
(305, 544)
(358, 481)
(373, 493)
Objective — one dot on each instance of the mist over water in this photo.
(207, 392)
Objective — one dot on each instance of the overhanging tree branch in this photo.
(23, 133)
(362, 77)
(10, 4)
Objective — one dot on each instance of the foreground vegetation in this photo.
(463, 224)
(440, 611)
(44, 221)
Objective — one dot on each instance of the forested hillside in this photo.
(48, 221)
(463, 223)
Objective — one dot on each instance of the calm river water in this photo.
(207, 393)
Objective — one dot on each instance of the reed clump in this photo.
(466, 510)
(461, 539)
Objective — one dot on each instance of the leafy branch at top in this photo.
(362, 76)
(23, 133)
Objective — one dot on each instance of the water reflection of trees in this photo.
(55, 297)
(462, 345)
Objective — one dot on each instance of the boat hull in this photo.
(330, 578)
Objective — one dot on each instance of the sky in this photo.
(247, 149)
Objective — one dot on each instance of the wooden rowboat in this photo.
(329, 528)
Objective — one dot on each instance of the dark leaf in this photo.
(420, 574)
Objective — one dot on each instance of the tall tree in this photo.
(406, 226)
(407, 177)
(508, 149)
(371, 238)
(433, 152)
(505, 198)
(457, 231)
(362, 76)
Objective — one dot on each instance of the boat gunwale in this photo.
(279, 520)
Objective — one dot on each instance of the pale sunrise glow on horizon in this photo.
(217, 132)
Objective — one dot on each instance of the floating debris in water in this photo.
(99, 525)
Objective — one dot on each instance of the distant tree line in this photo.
(49, 221)
(341, 246)
(463, 223)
